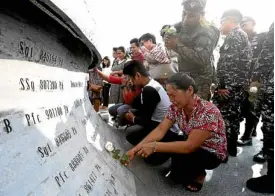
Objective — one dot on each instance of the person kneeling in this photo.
(201, 122)
(129, 92)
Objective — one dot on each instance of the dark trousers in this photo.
(268, 131)
(264, 105)
(251, 118)
(185, 168)
(157, 158)
(268, 128)
(135, 137)
(231, 111)
(105, 94)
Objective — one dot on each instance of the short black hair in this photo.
(182, 81)
(247, 19)
(132, 67)
(234, 13)
(121, 48)
(114, 49)
(148, 36)
(135, 41)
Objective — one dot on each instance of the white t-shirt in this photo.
(162, 106)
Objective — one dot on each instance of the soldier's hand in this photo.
(223, 93)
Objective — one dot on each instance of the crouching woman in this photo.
(203, 142)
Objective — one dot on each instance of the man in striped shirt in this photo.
(153, 53)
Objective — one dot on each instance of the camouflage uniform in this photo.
(249, 111)
(264, 73)
(233, 75)
(195, 51)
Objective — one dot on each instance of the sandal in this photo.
(196, 187)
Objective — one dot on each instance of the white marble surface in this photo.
(32, 162)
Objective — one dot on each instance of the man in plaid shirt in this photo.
(153, 53)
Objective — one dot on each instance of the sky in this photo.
(117, 22)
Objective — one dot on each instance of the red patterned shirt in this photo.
(205, 116)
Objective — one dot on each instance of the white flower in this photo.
(253, 89)
(109, 146)
(173, 28)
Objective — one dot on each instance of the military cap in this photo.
(234, 14)
(194, 5)
(247, 19)
(164, 29)
(169, 30)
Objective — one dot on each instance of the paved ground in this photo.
(227, 180)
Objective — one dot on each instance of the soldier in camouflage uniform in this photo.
(252, 119)
(232, 75)
(195, 44)
(264, 73)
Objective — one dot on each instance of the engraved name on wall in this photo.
(51, 139)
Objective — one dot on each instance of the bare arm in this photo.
(156, 135)
(119, 73)
(159, 132)
(102, 75)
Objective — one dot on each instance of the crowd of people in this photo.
(189, 110)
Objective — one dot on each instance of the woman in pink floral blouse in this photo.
(202, 144)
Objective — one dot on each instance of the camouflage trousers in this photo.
(231, 111)
(267, 111)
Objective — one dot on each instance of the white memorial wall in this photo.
(51, 139)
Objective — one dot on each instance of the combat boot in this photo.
(263, 184)
(245, 142)
(260, 157)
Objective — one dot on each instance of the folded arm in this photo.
(200, 54)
